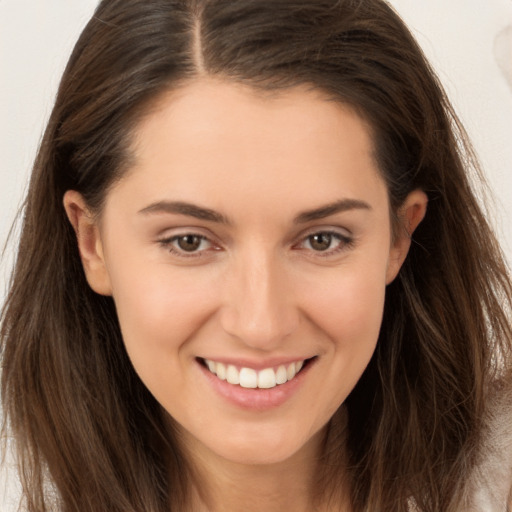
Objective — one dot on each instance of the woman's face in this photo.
(251, 237)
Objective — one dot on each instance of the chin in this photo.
(267, 447)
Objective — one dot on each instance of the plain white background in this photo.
(469, 42)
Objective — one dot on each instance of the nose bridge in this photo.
(259, 308)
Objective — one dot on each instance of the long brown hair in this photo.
(89, 435)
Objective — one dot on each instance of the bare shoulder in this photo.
(490, 484)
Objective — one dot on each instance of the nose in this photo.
(259, 307)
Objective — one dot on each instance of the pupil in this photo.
(189, 243)
(321, 241)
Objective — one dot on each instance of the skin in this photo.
(257, 289)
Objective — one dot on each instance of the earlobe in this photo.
(89, 242)
(410, 214)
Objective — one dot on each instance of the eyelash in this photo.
(167, 243)
(344, 242)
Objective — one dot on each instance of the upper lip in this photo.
(259, 364)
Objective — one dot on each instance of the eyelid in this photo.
(166, 241)
(340, 231)
(346, 238)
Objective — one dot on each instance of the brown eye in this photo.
(326, 243)
(320, 241)
(189, 243)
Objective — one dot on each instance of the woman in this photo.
(253, 274)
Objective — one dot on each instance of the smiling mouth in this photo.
(266, 378)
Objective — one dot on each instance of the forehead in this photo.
(213, 138)
(210, 106)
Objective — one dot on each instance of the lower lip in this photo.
(256, 399)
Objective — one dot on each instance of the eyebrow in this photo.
(340, 206)
(199, 212)
(183, 208)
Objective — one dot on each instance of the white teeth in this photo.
(290, 372)
(232, 375)
(211, 366)
(281, 375)
(249, 378)
(267, 378)
(221, 371)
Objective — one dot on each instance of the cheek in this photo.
(348, 310)
(349, 306)
(158, 312)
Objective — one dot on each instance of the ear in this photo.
(89, 242)
(410, 214)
